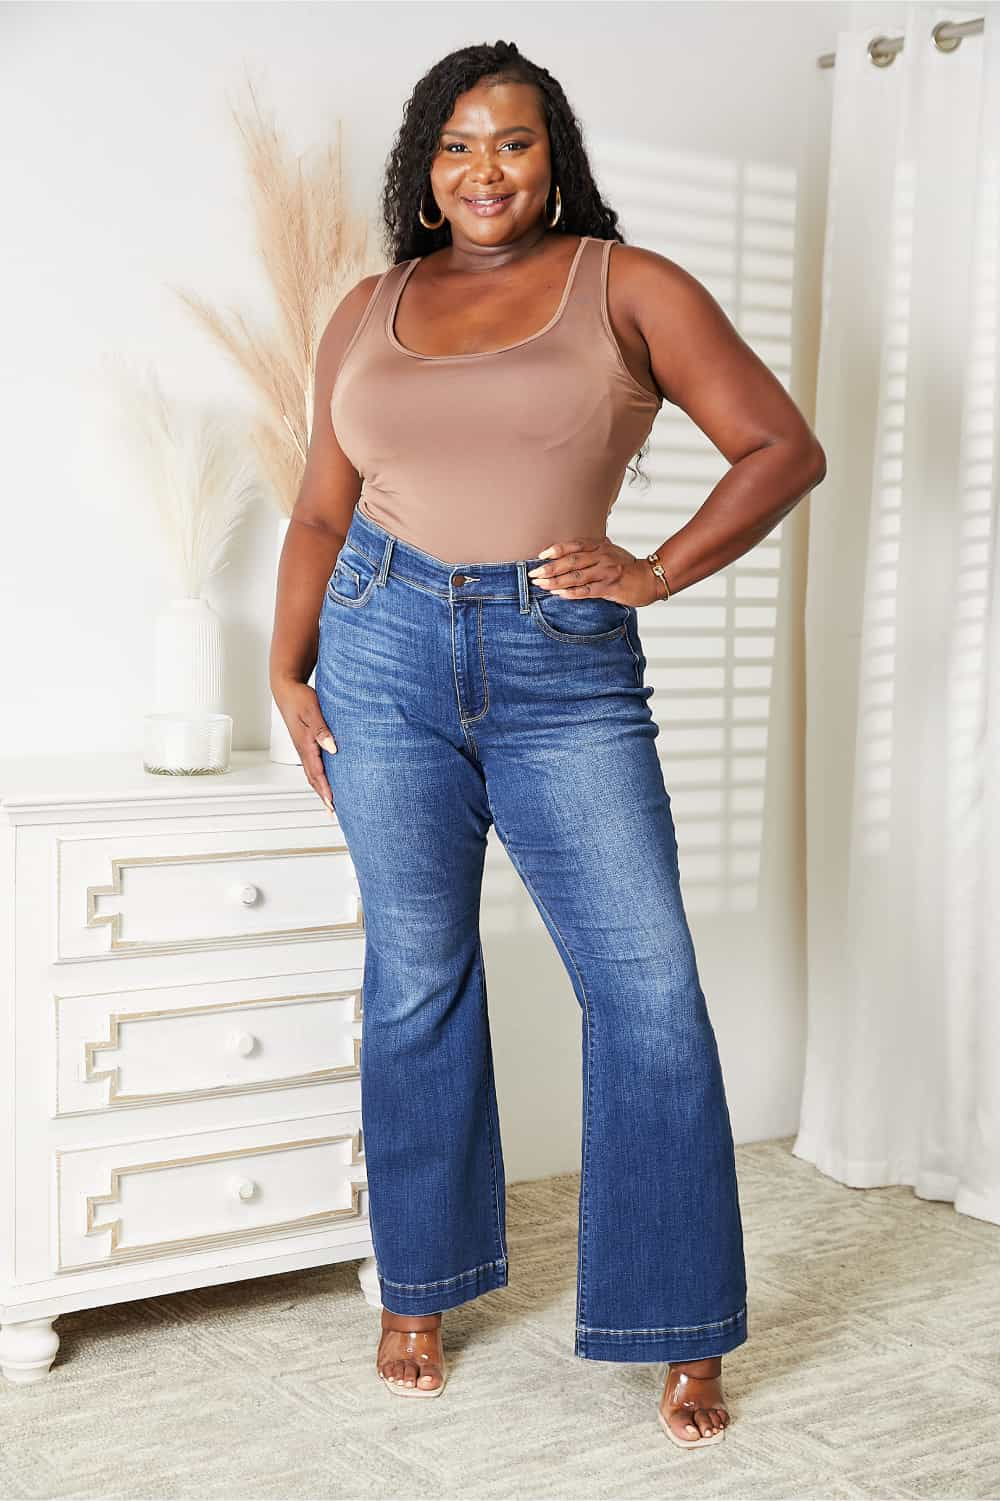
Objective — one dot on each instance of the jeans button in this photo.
(459, 578)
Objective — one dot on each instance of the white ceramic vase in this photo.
(188, 659)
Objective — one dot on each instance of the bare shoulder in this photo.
(644, 277)
(350, 310)
(687, 333)
(361, 291)
(698, 357)
(342, 326)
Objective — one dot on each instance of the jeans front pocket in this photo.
(579, 621)
(353, 578)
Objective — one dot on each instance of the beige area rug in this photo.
(872, 1368)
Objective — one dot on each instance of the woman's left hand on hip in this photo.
(589, 567)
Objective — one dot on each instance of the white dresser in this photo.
(181, 1024)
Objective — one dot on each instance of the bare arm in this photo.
(322, 514)
(702, 364)
(672, 325)
(316, 531)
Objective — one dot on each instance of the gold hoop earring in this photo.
(424, 221)
(553, 222)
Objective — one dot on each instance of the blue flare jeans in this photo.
(465, 695)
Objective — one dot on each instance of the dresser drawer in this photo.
(139, 1200)
(148, 1047)
(155, 893)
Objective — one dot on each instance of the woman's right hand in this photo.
(299, 708)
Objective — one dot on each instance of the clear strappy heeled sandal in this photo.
(412, 1351)
(695, 1391)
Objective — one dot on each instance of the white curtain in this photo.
(902, 1080)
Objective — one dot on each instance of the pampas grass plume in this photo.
(313, 251)
(197, 465)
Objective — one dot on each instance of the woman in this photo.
(478, 661)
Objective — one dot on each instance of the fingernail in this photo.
(327, 742)
(547, 553)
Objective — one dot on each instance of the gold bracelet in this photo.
(654, 562)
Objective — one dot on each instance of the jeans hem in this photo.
(689, 1342)
(435, 1297)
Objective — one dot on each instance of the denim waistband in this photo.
(456, 581)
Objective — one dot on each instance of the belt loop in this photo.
(383, 572)
(522, 588)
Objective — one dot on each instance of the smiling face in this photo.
(494, 145)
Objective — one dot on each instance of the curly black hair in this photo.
(584, 211)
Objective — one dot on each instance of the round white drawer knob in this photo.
(242, 1043)
(243, 1188)
(249, 895)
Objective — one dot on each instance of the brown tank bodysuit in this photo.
(559, 410)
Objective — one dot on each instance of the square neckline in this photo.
(479, 354)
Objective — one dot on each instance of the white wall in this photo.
(708, 126)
